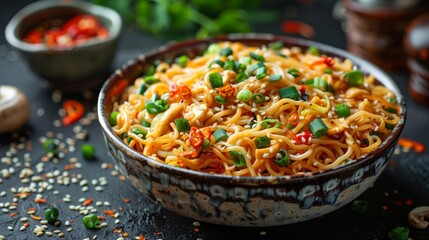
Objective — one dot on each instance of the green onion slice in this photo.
(237, 158)
(318, 128)
(289, 92)
(282, 158)
(151, 108)
(259, 98)
(262, 142)
(277, 46)
(254, 67)
(182, 61)
(244, 95)
(145, 123)
(275, 77)
(399, 233)
(241, 77)
(219, 99)
(313, 51)
(142, 89)
(150, 80)
(182, 124)
(294, 72)
(206, 144)
(226, 51)
(354, 78)
(270, 122)
(113, 117)
(256, 56)
(342, 110)
(261, 73)
(220, 135)
(216, 80)
(245, 60)
(218, 62)
(328, 71)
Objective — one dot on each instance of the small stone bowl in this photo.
(243, 201)
(83, 66)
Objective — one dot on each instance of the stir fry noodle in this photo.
(255, 111)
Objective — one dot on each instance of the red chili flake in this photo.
(196, 138)
(74, 111)
(27, 224)
(158, 233)
(196, 229)
(87, 202)
(122, 178)
(141, 237)
(40, 200)
(408, 202)
(37, 218)
(127, 200)
(109, 212)
(125, 234)
(14, 214)
(298, 27)
(398, 203)
(385, 208)
(101, 218)
(117, 230)
(408, 143)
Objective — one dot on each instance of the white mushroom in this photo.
(417, 217)
(14, 108)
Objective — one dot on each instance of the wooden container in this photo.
(416, 43)
(375, 29)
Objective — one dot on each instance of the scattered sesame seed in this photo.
(117, 221)
(44, 222)
(49, 234)
(69, 229)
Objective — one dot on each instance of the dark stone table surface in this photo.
(403, 186)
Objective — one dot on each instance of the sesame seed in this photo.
(104, 224)
(49, 234)
(10, 228)
(24, 219)
(44, 222)
(69, 229)
(61, 235)
(265, 155)
(57, 231)
(117, 221)
(39, 234)
(196, 224)
(22, 228)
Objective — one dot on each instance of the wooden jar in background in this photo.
(416, 43)
(375, 29)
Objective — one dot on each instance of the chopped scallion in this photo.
(142, 89)
(150, 80)
(245, 60)
(254, 67)
(256, 56)
(145, 123)
(182, 124)
(151, 108)
(313, 51)
(241, 77)
(219, 99)
(182, 61)
(150, 70)
(213, 48)
(259, 98)
(218, 62)
(318, 128)
(328, 71)
(226, 51)
(354, 78)
(282, 158)
(237, 158)
(262, 142)
(244, 95)
(277, 46)
(275, 77)
(216, 80)
(220, 135)
(294, 72)
(113, 117)
(342, 110)
(206, 144)
(391, 110)
(399, 233)
(289, 92)
(261, 73)
(270, 122)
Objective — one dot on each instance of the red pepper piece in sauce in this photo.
(294, 119)
(196, 138)
(304, 138)
(74, 111)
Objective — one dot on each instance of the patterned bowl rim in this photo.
(364, 65)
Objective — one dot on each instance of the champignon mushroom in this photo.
(14, 108)
(417, 217)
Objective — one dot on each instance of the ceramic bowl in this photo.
(243, 201)
(82, 66)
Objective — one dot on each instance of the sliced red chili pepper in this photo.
(294, 119)
(304, 138)
(74, 111)
(196, 138)
(207, 132)
(328, 61)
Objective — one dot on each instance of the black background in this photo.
(405, 178)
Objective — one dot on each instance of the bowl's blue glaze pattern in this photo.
(244, 201)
